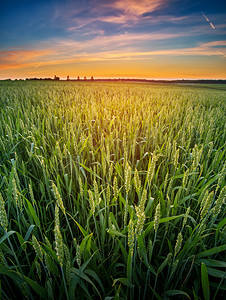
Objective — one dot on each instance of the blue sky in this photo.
(127, 38)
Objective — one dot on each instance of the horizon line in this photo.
(92, 78)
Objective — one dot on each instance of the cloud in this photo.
(120, 42)
(114, 11)
(136, 8)
(19, 58)
(64, 49)
(22, 55)
(131, 10)
(215, 43)
(86, 16)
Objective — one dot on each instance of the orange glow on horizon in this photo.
(158, 68)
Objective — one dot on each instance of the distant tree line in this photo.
(186, 81)
(56, 78)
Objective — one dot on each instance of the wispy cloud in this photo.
(124, 15)
(35, 59)
(18, 58)
(130, 8)
(120, 42)
(133, 9)
(137, 7)
(123, 12)
(23, 55)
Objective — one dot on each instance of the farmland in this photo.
(112, 191)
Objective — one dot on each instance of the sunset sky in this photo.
(161, 39)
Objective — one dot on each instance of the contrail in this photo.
(207, 19)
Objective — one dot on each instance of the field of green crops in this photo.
(112, 191)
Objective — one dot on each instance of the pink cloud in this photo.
(22, 55)
(123, 46)
(125, 10)
(134, 7)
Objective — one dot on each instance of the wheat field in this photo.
(112, 191)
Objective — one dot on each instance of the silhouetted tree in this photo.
(78, 78)
(68, 77)
(56, 78)
(92, 78)
(84, 77)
